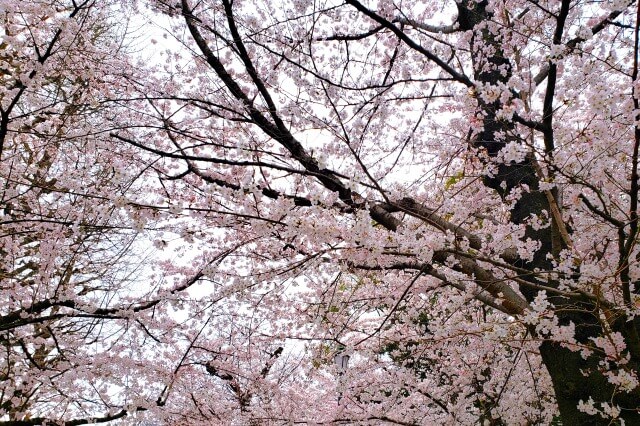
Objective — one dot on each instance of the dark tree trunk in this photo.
(574, 378)
(571, 386)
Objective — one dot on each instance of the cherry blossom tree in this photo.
(73, 313)
(438, 179)
(447, 192)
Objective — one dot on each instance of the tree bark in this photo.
(574, 378)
